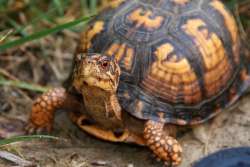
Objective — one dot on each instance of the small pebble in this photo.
(99, 163)
(130, 165)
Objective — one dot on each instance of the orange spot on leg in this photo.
(180, 2)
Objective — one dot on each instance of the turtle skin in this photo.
(182, 62)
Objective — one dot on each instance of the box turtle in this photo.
(144, 67)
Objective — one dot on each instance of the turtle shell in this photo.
(182, 61)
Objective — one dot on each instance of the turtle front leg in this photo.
(44, 107)
(165, 147)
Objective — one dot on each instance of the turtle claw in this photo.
(29, 129)
(167, 164)
(34, 129)
(41, 131)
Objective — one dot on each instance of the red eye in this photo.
(105, 64)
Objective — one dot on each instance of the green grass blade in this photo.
(25, 138)
(42, 33)
(40, 15)
(93, 6)
(84, 6)
(23, 85)
(17, 27)
(231, 4)
(59, 6)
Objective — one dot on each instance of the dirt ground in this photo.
(77, 149)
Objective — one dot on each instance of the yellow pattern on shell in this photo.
(167, 74)
(229, 20)
(123, 54)
(230, 25)
(162, 53)
(90, 33)
(145, 19)
(217, 67)
(111, 3)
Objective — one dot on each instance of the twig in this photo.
(7, 74)
(12, 77)
(6, 35)
(15, 159)
(23, 85)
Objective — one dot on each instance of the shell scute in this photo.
(123, 53)
(171, 79)
(140, 23)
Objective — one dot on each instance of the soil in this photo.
(75, 148)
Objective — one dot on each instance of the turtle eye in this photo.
(104, 64)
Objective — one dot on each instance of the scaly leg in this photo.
(165, 147)
(44, 107)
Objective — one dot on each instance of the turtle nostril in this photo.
(85, 83)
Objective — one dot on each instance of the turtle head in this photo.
(97, 71)
(96, 77)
